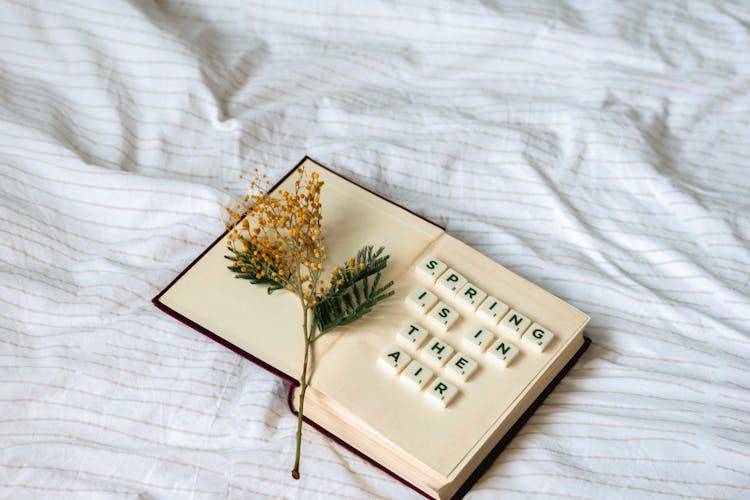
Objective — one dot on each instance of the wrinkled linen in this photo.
(599, 150)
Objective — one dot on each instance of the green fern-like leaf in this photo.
(352, 295)
(246, 269)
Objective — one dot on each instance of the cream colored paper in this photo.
(270, 326)
(443, 439)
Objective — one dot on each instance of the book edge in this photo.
(516, 427)
(290, 395)
(491, 456)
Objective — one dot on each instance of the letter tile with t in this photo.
(412, 335)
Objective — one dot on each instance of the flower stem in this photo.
(303, 389)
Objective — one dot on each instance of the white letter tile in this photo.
(411, 335)
(503, 352)
(538, 337)
(395, 359)
(514, 323)
(442, 316)
(436, 352)
(451, 281)
(471, 295)
(441, 392)
(492, 309)
(431, 268)
(461, 366)
(478, 339)
(416, 375)
(421, 299)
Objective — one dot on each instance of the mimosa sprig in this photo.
(277, 241)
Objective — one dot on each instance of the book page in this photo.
(442, 438)
(269, 327)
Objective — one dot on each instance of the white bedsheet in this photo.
(600, 151)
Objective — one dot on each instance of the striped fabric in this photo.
(599, 150)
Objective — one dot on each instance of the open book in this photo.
(436, 379)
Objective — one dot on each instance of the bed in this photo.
(599, 150)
